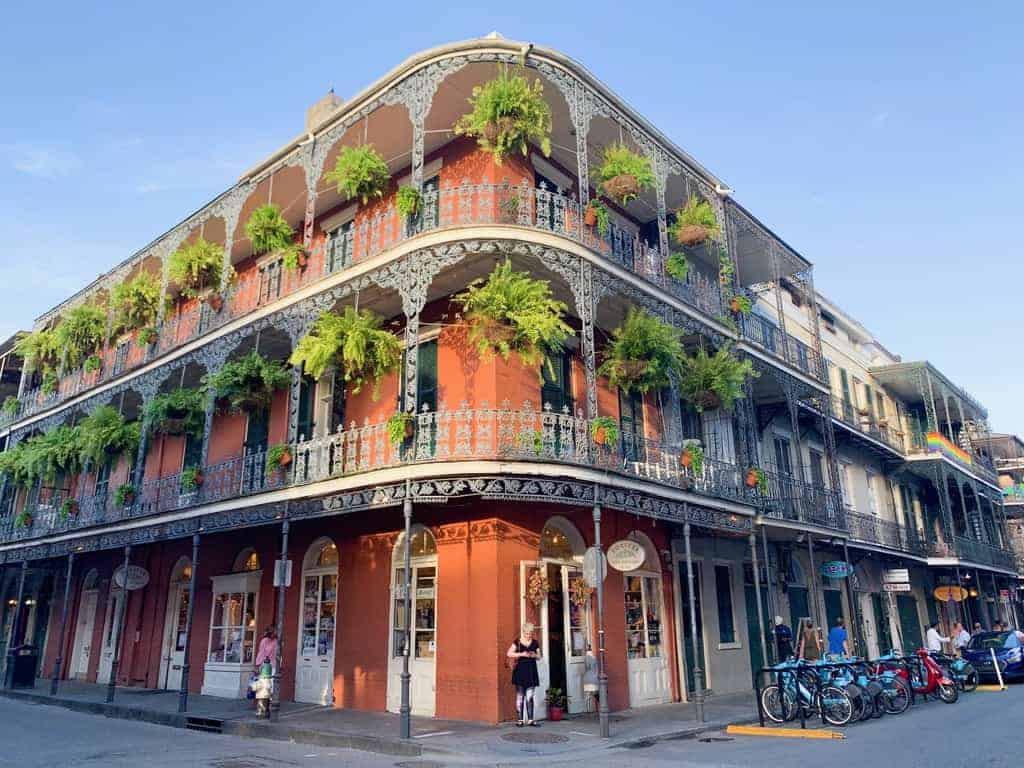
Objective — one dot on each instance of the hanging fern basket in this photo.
(709, 400)
(625, 186)
(691, 235)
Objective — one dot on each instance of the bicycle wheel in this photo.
(775, 709)
(970, 678)
(836, 707)
(897, 696)
(948, 693)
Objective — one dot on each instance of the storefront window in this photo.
(233, 628)
(643, 617)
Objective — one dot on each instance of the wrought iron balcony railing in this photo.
(933, 443)
(872, 529)
(460, 205)
(465, 434)
(864, 420)
(790, 498)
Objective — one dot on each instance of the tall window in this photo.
(426, 377)
(103, 478)
(270, 281)
(844, 383)
(643, 617)
(306, 421)
(556, 387)
(631, 419)
(783, 458)
(873, 504)
(723, 595)
(817, 468)
(233, 627)
(339, 248)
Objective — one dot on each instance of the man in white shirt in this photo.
(961, 637)
(933, 640)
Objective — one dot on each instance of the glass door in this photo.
(314, 677)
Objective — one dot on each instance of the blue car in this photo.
(1009, 654)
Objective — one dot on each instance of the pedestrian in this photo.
(810, 648)
(933, 640)
(783, 639)
(267, 651)
(977, 627)
(839, 639)
(961, 637)
(523, 655)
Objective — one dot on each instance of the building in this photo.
(474, 517)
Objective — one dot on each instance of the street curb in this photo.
(257, 730)
(682, 733)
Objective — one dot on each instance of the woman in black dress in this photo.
(524, 652)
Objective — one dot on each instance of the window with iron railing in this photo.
(121, 356)
(339, 248)
(631, 421)
(270, 281)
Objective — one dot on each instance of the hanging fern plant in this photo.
(181, 412)
(10, 406)
(81, 333)
(104, 433)
(15, 465)
(508, 113)
(623, 173)
(53, 453)
(677, 266)
(513, 312)
(354, 341)
(270, 232)
(360, 172)
(249, 383)
(695, 222)
(196, 267)
(38, 350)
(407, 201)
(136, 302)
(715, 381)
(644, 354)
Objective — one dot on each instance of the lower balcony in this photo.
(974, 551)
(870, 529)
(525, 435)
(788, 498)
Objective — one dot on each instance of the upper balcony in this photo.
(863, 421)
(408, 117)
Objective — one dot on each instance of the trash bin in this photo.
(21, 666)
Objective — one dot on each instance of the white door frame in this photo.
(425, 706)
(81, 647)
(316, 661)
(177, 588)
(115, 604)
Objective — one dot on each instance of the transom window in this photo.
(247, 560)
(555, 544)
(328, 555)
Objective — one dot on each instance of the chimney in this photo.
(317, 114)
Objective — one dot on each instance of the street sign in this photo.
(592, 561)
(626, 555)
(895, 586)
(138, 577)
(836, 569)
(897, 574)
(282, 573)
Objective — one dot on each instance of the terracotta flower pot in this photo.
(199, 479)
(734, 305)
(686, 459)
(751, 479)
(590, 217)
(408, 429)
(600, 436)
(215, 302)
(622, 186)
(302, 259)
(555, 714)
(691, 234)
(285, 460)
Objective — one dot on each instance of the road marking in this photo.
(785, 733)
(581, 733)
(433, 733)
(991, 688)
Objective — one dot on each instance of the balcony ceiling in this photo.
(902, 379)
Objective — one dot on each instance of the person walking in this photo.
(267, 651)
(523, 655)
(961, 637)
(810, 647)
(839, 639)
(933, 640)
(783, 640)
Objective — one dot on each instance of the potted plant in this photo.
(24, 519)
(508, 113)
(623, 173)
(360, 172)
(68, 507)
(51, 454)
(38, 350)
(692, 457)
(191, 479)
(400, 427)
(196, 269)
(270, 232)
(124, 496)
(92, 364)
(81, 332)
(725, 267)
(739, 305)
(279, 457)
(695, 222)
(180, 412)
(136, 302)
(644, 354)
(407, 201)
(10, 406)
(557, 702)
(248, 383)
(755, 478)
(714, 381)
(49, 383)
(513, 312)
(508, 209)
(597, 215)
(103, 434)
(604, 430)
(212, 299)
(677, 266)
(356, 342)
(146, 336)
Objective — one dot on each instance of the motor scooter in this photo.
(923, 674)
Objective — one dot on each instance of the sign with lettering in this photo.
(836, 569)
(138, 577)
(626, 555)
(896, 574)
(895, 586)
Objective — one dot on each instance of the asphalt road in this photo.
(981, 731)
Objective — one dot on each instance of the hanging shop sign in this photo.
(901, 575)
(626, 555)
(138, 577)
(1004, 594)
(895, 586)
(950, 594)
(836, 569)
(593, 564)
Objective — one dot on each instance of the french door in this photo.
(174, 643)
(82, 649)
(314, 674)
(108, 646)
(423, 641)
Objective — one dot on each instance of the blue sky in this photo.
(886, 143)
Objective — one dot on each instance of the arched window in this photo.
(322, 553)
(247, 560)
(182, 571)
(559, 540)
(91, 579)
(423, 544)
(643, 603)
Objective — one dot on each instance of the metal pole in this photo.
(965, 603)
(772, 602)
(602, 670)
(405, 710)
(995, 596)
(698, 682)
(812, 578)
(16, 624)
(185, 666)
(123, 609)
(275, 704)
(757, 595)
(986, 620)
(859, 639)
(63, 626)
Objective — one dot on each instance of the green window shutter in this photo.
(723, 594)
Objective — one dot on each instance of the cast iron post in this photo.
(602, 671)
(185, 665)
(279, 621)
(698, 673)
(63, 626)
(406, 708)
(122, 610)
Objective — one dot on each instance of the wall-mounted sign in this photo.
(138, 577)
(836, 569)
(950, 594)
(895, 586)
(626, 555)
(901, 575)
(593, 562)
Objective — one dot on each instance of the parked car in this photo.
(1009, 654)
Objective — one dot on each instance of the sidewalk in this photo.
(472, 743)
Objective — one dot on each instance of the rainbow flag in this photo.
(939, 444)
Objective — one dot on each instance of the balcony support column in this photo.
(813, 580)
(282, 592)
(185, 665)
(965, 605)
(949, 417)
(698, 673)
(799, 477)
(54, 682)
(773, 600)
(405, 708)
(945, 505)
(924, 386)
(765, 639)
(776, 283)
(602, 666)
(590, 297)
(661, 174)
(122, 610)
(211, 405)
(986, 619)
(746, 421)
(859, 645)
